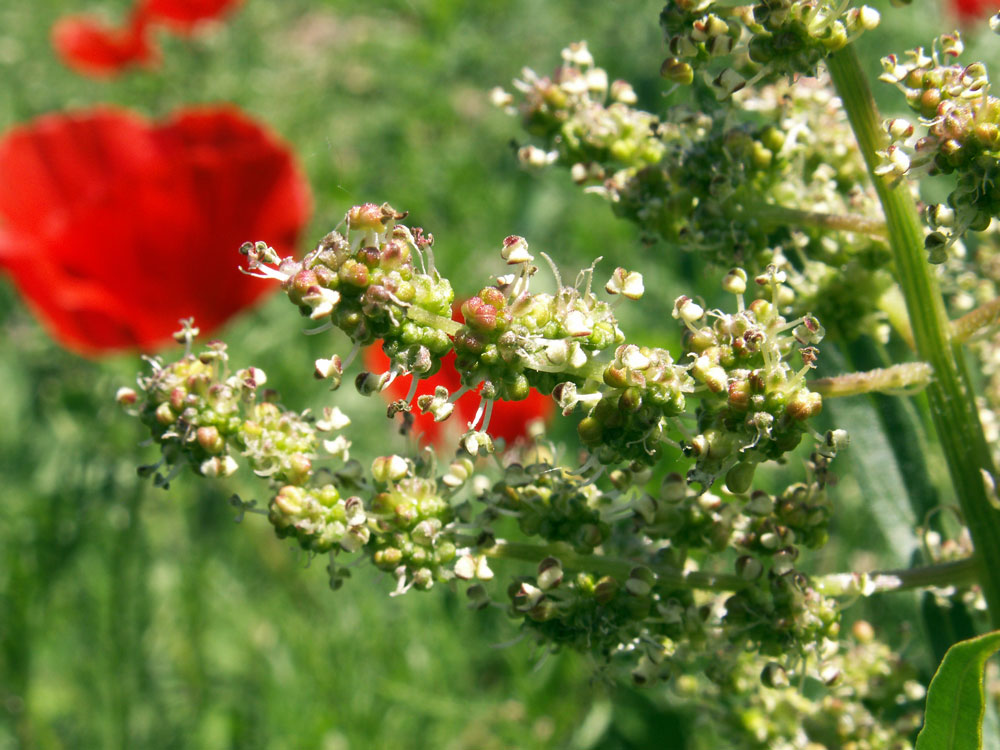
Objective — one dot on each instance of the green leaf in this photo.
(955, 700)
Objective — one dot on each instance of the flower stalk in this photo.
(774, 215)
(950, 395)
(952, 573)
(909, 377)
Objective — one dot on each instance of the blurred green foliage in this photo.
(134, 618)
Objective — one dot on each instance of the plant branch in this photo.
(770, 214)
(616, 567)
(953, 573)
(909, 377)
(419, 315)
(950, 394)
(975, 322)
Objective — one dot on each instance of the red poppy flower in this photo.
(184, 15)
(509, 419)
(973, 12)
(113, 228)
(90, 47)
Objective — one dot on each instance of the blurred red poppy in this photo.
(973, 12)
(184, 15)
(113, 228)
(509, 420)
(90, 47)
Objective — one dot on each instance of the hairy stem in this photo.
(770, 214)
(420, 315)
(950, 395)
(909, 376)
(954, 573)
(615, 567)
(975, 322)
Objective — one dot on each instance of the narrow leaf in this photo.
(955, 700)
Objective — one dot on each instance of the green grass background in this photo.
(136, 618)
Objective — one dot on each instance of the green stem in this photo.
(975, 322)
(950, 394)
(612, 566)
(424, 317)
(909, 376)
(770, 214)
(953, 573)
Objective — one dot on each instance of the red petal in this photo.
(509, 420)
(90, 47)
(116, 228)
(184, 15)
(424, 424)
(973, 11)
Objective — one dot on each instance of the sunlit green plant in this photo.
(648, 542)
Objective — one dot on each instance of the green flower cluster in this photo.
(365, 282)
(781, 38)
(200, 415)
(752, 404)
(411, 516)
(551, 503)
(604, 615)
(647, 611)
(860, 695)
(513, 340)
(960, 122)
(424, 524)
(760, 192)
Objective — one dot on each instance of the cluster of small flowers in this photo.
(552, 503)
(195, 409)
(366, 283)
(781, 38)
(602, 615)
(641, 611)
(753, 405)
(872, 699)
(513, 340)
(700, 180)
(414, 521)
(962, 136)
(204, 417)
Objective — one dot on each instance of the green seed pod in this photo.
(774, 676)
(677, 71)
(740, 477)
(606, 589)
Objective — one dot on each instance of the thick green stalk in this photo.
(612, 566)
(907, 376)
(770, 214)
(950, 394)
(953, 573)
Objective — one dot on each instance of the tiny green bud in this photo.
(605, 589)
(677, 71)
(386, 469)
(550, 573)
(749, 568)
(164, 414)
(735, 282)
(640, 581)
(740, 477)
(774, 676)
